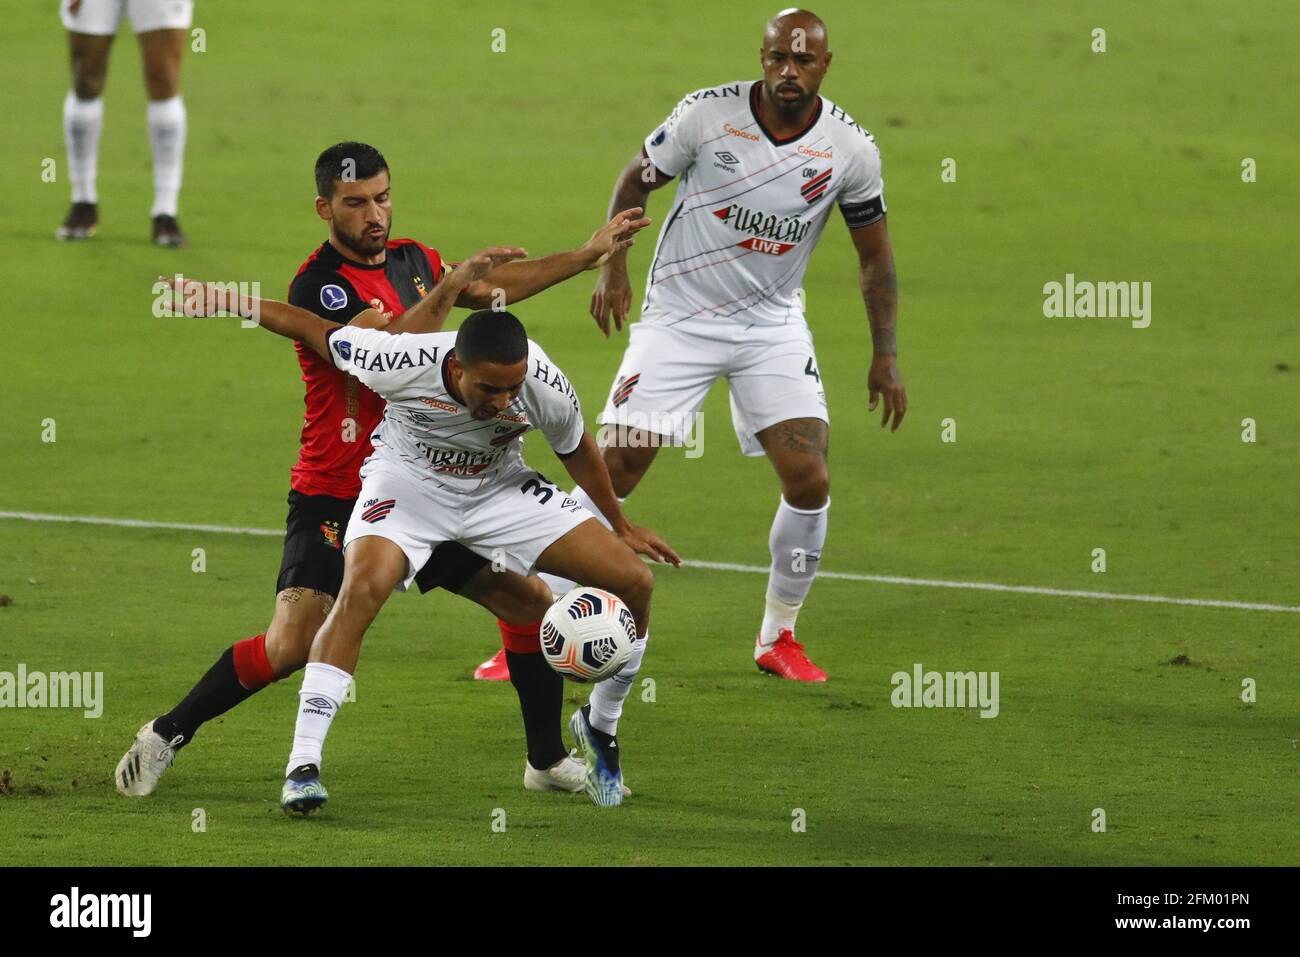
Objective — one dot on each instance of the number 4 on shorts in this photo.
(811, 370)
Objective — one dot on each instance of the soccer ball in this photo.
(587, 635)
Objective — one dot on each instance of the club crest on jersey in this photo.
(769, 233)
(377, 511)
(816, 185)
(333, 297)
(419, 287)
(330, 532)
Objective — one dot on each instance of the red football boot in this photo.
(494, 669)
(786, 659)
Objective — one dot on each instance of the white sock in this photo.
(607, 696)
(167, 137)
(796, 545)
(323, 688)
(82, 122)
(561, 586)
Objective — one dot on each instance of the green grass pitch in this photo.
(1072, 435)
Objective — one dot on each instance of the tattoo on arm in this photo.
(879, 284)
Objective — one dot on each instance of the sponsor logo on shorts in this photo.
(330, 532)
(378, 511)
(623, 389)
(659, 136)
(818, 183)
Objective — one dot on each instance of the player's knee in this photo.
(287, 647)
(161, 84)
(637, 586)
(87, 84)
(529, 605)
(809, 489)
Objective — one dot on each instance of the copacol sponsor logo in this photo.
(57, 689)
(76, 909)
(948, 689)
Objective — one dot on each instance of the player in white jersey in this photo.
(162, 29)
(762, 165)
(448, 467)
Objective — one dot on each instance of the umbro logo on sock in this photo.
(321, 706)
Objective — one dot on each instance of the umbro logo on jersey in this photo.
(817, 184)
(378, 511)
(333, 297)
(623, 389)
(726, 161)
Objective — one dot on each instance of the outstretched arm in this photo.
(587, 468)
(206, 299)
(519, 280)
(429, 314)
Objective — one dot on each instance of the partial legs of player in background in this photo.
(161, 51)
(797, 449)
(250, 665)
(83, 121)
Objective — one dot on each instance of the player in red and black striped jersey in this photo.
(361, 277)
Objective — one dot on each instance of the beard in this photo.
(363, 244)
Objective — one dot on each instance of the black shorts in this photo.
(313, 550)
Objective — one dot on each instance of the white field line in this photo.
(720, 566)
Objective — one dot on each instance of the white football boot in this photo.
(567, 774)
(143, 764)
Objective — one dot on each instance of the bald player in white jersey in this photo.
(761, 166)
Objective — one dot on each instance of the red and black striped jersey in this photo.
(341, 412)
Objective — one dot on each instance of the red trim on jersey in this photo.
(784, 140)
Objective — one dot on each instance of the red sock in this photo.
(522, 639)
(252, 667)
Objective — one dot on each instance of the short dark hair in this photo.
(487, 336)
(350, 160)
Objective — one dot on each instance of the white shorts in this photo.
(666, 373)
(510, 520)
(101, 17)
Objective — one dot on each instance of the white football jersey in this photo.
(432, 434)
(749, 208)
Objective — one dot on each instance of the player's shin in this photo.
(541, 693)
(323, 690)
(607, 697)
(796, 544)
(166, 119)
(82, 122)
(241, 671)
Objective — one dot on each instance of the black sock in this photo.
(216, 693)
(607, 742)
(541, 699)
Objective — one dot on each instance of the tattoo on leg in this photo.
(291, 596)
(805, 436)
(325, 598)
